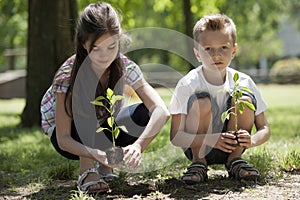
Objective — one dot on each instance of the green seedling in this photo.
(111, 98)
(238, 103)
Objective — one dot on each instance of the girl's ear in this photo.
(196, 52)
(85, 46)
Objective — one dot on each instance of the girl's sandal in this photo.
(198, 170)
(237, 165)
(84, 187)
(107, 177)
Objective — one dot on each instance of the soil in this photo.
(138, 187)
(114, 155)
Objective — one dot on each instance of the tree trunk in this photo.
(188, 22)
(50, 33)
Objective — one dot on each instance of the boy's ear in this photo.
(235, 47)
(196, 52)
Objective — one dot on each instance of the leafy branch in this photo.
(238, 103)
(111, 99)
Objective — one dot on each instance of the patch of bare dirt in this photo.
(135, 187)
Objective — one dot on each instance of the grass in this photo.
(28, 158)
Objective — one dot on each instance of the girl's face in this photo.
(216, 50)
(104, 50)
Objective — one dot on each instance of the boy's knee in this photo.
(202, 105)
(247, 98)
(244, 98)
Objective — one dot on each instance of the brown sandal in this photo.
(197, 169)
(235, 167)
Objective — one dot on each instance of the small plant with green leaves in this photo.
(238, 103)
(115, 154)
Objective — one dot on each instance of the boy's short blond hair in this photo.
(214, 22)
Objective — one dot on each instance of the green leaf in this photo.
(224, 116)
(116, 132)
(100, 98)
(247, 89)
(118, 97)
(97, 103)
(240, 93)
(109, 93)
(115, 98)
(250, 105)
(101, 129)
(123, 128)
(241, 106)
(110, 121)
(235, 77)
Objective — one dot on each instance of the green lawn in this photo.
(27, 157)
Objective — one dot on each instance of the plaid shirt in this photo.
(61, 84)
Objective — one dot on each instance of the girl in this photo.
(66, 111)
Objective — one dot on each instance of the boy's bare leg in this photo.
(198, 122)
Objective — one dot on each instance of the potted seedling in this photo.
(238, 104)
(114, 154)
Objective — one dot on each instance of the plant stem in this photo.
(112, 126)
(235, 118)
(113, 141)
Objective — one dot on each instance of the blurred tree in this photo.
(51, 28)
(13, 26)
(292, 8)
(50, 33)
(257, 24)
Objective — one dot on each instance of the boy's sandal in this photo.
(198, 170)
(237, 165)
(84, 187)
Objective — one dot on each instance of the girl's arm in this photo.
(63, 134)
(159, 116)
(158, 109)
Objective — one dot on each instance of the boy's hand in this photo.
(244, 139)
(226, 142)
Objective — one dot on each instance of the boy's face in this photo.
(215, 50)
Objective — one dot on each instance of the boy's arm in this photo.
(263, 130)
(179, 137)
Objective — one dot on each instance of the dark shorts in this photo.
(135, 118)
(214, 156)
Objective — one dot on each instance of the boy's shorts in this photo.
(135, 118)
(213, 155)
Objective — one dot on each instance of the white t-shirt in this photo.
(194, 82)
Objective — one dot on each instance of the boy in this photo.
(197, 105)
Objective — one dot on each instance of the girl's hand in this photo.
(226, 142)
(100, 156)
(133, 156)
(244, 139)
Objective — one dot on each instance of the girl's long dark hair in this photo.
(96, 20)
